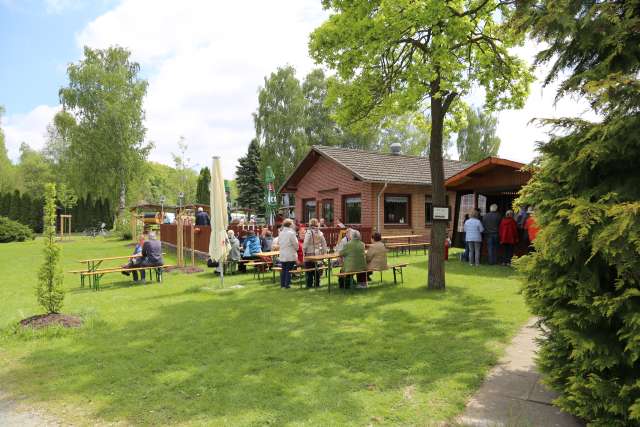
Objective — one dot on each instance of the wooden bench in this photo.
(259, 268)
(97, 274)
(300, 271)
(396, 247)
(397, 268)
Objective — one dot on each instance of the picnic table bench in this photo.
(397, 247)
(97, 274)
(406, 236)
(93, 265)
(397, 268)
(300, 271)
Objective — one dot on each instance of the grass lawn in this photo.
(184, 352)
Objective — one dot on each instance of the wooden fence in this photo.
(168, 234)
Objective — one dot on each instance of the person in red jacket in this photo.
(508, 232)
(531, 227)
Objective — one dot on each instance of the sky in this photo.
(204, 61)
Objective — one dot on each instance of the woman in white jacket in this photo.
(288, 244)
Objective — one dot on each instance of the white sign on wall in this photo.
(441, 213)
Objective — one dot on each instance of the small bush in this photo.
(12, 231)
(123, 228)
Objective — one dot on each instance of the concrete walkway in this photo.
(512, 395)
(13, 416)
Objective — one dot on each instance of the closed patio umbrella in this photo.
(218, 242)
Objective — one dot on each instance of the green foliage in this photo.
(7, 169)
(477, 140)
(13, 231)
(203, 194)
(50, 291)
(597, 42)
(388, 353)
(66, 197)
(249, 180)
(583, 279)
(279, 127)
(391, 56)
(107, 145)
(34, 171)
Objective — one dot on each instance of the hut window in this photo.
(352, 210)
(396, 209)
(309, 209)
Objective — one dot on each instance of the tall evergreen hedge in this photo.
(28, 211)
(583, 280)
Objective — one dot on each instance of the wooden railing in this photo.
(202, 234)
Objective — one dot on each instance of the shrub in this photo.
(13, 231)
(49, 290)
(123, 228)
(583, 280)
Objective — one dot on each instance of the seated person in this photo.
(377, 254)
(135, 262)
(266, 241)
(151, 254)
(252, 249)
(354, 259)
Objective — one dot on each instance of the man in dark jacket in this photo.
(491, 224)
(151, 254)
(202, 218)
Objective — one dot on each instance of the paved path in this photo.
(11, 416)
(512, 395)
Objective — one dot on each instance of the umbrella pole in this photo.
(221, 264)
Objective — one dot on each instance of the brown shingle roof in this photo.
(385, 167)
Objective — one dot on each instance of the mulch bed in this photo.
(44, 320)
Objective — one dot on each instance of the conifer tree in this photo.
(250, 191)
(203, 194)
(583, 279)
(49, 290)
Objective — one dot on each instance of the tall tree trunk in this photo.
(123, 198)
(436, 279)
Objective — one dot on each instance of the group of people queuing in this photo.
(497, 231)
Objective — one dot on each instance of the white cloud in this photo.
(30, 128)
(204, 61)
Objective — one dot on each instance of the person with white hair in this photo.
(151, 254)
(234, 253)
(354, 259)
(491, 224)
(202, 218)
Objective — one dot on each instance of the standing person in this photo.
(473, 232)
(135, 262)
(151, 254)
(531, 227)
(340, 224)
(202, 218)
(323, 223)
(354, 259)
(491, 224)
(508, 236)
(234, 253)
(314, 244)
(465, 254)
(288, 244)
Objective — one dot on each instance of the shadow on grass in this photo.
(269, 356)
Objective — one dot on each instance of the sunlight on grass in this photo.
(184, 352)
